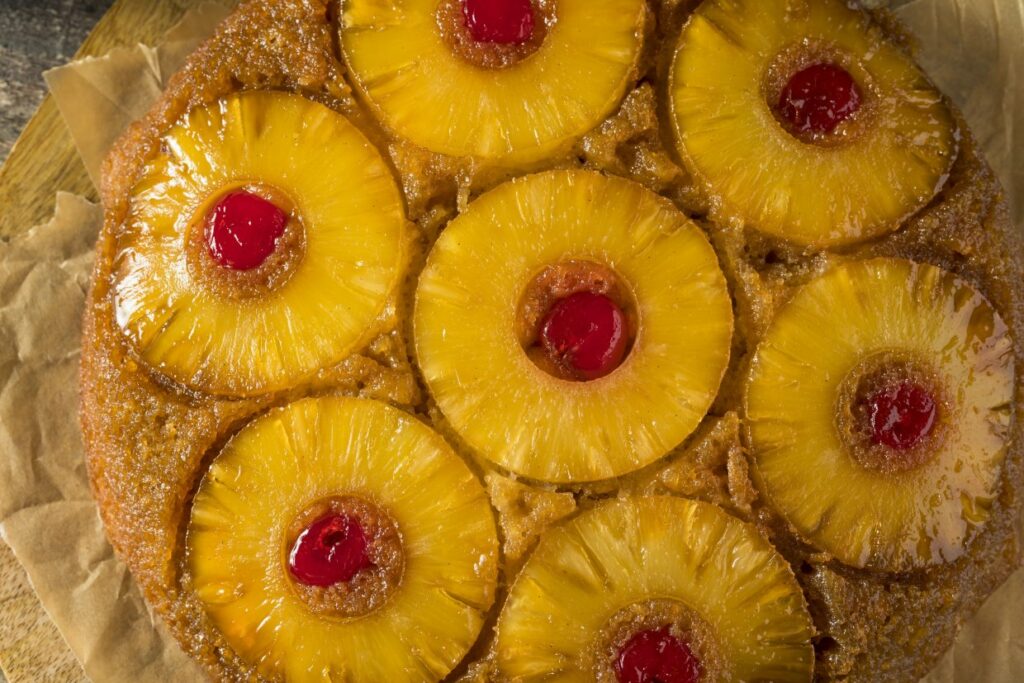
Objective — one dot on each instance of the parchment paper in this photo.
(973, 49)
(48, 515)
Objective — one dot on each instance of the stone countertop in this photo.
(36, 35)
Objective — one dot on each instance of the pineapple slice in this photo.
(271, 471)
(296, 283)
(671, 566)
(879, 407)
(580, 56)
(521, 413)
(804, 122)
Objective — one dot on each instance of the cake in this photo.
(516, 340)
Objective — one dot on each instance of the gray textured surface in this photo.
(34, 36)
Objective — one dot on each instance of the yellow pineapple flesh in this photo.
(860, 180)
(425, 92)
(883, 506)
(350, 216)
(628, 553)
(314, 449)
(509, 409)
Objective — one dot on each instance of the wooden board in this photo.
(42, 162)
(31, 649)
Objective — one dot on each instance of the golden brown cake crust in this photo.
(148, 441)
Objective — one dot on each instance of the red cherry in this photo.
(585, 332)
(506, 22)
(331, 550)
(656, 656)
(242, 230)
(819, 98)
(900, 415)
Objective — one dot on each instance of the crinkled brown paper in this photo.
(974, 50)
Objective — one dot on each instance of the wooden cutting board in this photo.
(42, 162)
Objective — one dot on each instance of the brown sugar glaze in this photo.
(149, 441)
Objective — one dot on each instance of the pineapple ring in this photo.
(317, 448)
(893, 521)
(416, 84)
(516, 414)
(354, 225)
(630, 551)
(880, 170)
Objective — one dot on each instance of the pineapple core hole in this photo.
(344, 556)
(494, 34)
(577, 321)
(891, 413)
(658, 640)
(245, 241)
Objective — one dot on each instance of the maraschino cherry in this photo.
(900, 414)
(585, 333)
(242, 230)
(656, 656)
(506, 22)
(331, 550)
(818, 98)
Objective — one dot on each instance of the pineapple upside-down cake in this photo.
(556, 340)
